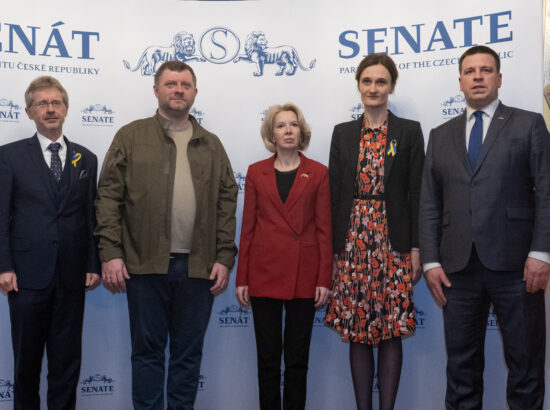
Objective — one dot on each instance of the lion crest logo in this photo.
(454, 99)
(257, 52)
(4, 102)
(182, 48)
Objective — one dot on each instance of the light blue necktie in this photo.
(476, 136)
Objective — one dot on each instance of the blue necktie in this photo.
(476, 136)
(55, 164)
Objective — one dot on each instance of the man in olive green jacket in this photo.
(166, 227)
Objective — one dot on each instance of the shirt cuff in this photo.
(430, 265)
(541, 256)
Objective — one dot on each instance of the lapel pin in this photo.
(76, 158)
(500, 118)
(391, 151)
(304, 175)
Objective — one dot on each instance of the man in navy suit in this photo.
(485, 235)
(48, 255)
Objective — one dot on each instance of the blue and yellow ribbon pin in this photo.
(392, 149)
(76, 158)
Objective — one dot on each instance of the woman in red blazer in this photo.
(285, 255)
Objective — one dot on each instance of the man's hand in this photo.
(8, 282)
(242, 295)
(114, 275)
(221, 274)
(321, 295)
(92, 281)
(416, 269)
(434, 278)
(535, 275)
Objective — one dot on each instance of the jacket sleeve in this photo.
(540, 173)
(323, 228)
(416, 163)
(247, 229)
(94, 266)
(6, 182)
(226, 222)
(110, 201)
(335, 183)
(431, 203)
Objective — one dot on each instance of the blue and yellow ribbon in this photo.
(392, 149)
(76, 158)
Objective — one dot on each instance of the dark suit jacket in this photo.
(402, 176)
(285, 249)
(503, 205)
(36, 232)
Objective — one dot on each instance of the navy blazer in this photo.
(38, 233)
(503, 205)
(402, 177)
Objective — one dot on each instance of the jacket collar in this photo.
(198, 130)
(458, 130)
(501, 117)
(73, 162)
(395, 131)
(394, 137)
(302, 180)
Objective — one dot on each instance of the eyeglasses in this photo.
(44, 104)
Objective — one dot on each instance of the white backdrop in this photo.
(85, 44)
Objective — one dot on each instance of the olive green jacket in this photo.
(134, 200)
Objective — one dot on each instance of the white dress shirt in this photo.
(45, 143)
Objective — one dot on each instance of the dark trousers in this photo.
(171, 305)
(521, 318)
(51, 317)
(270, 344)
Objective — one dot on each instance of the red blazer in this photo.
(286, 249)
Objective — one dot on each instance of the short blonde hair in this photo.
(41, 83)
(267, 127)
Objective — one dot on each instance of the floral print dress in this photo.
(372, 297)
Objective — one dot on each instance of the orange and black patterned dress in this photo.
(372, 297)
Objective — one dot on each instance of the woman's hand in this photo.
(321, 296)
(242, 295)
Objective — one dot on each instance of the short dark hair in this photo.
(479, 50)
(174, 65)
(374, 59)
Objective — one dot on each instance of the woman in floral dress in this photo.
(375, 171)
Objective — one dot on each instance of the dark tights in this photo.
(390, 356)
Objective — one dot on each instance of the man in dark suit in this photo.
(485, 235)
(48, 254)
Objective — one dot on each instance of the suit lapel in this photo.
(394, 135)
(74, 164)
(270, 181)
(303, 175)
(459, 139)
(37, 160)
(354, 136)
(501, 117)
